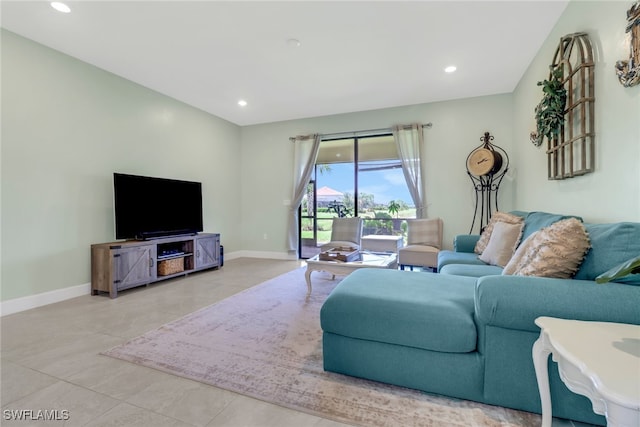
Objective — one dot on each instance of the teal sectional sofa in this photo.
(467, 331)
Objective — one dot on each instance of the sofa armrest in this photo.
(465, 242)
(514, 302)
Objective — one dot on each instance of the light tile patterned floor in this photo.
(49, 359)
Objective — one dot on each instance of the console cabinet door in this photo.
(207, 251)
(134, 266)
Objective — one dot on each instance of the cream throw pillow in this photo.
(486, 233)
(553, 251)
(502, 244)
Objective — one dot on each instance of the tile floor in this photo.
(49, 359)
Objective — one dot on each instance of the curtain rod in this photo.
(369, 132)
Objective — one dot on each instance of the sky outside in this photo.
(385, 185)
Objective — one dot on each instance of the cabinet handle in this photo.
(150, 262)
(198, 253)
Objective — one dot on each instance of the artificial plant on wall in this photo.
(565, 115)
(550, 110)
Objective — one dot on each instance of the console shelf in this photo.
(117, 266)
(172, 256)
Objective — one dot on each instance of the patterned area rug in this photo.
(266, 343)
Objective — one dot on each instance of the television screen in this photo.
(147, 207)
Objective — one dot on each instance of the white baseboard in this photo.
(261, 254)
(17, 305)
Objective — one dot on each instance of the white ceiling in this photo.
(354, 55)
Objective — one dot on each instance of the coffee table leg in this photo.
(307, 275)
(540, 353)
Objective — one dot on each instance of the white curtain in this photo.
(409, 141)
(305, 154)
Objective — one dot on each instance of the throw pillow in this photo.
(486, 233)
(502, 244)
(521, 256)
(553, 251)
(611, 245)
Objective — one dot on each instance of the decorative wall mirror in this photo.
(570, 150)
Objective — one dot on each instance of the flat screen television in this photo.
(147, 207)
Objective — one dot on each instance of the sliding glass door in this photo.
(355, 177)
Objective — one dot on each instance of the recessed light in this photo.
(294, 43)
(60, 7)
(450, 69)
(242, 103)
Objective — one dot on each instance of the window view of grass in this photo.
(368, 167)
(378, 220)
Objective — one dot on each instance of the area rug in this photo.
(266, 342)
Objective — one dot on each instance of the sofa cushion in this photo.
(611, 245)
(627, 272)
(423, 310)
(514, 302)
(465, 242)
(554, 251)
(471, 270)
(450, 257)
(537, 220)
(502, 244)
(497, 217)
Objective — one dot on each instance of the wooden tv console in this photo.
(117, 266)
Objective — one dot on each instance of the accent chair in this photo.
(424, 241)
(345, 232)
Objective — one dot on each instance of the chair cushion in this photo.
(423, 310)
(347, 229)
(425, 256)
(426, 231)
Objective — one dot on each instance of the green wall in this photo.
(66, 127)
(457, 129)
(612, 191)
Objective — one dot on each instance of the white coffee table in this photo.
(599, 360)
(338, 268)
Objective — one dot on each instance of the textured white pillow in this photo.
(521, 255)
(502, 244)
(482, 243)
(553, 251)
